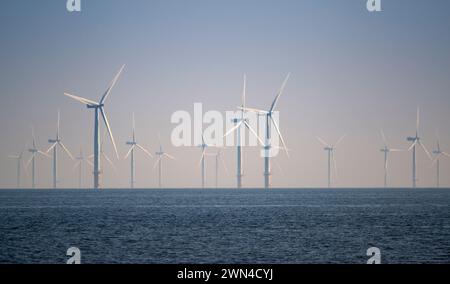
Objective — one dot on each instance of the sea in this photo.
(225, 226)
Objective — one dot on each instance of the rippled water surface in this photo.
(225, 226)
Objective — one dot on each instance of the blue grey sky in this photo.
(353, 72)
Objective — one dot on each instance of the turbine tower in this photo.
(239, 123)
(331, 159)
(18, 159)
(203, 146)
(386, 150)
(416, 141)
(34, 153)
(438, 153)
(133, 145)
(268, 144)
(98, 108)
(55, 144)
(219, 159)
(161, 154)
(81, 160)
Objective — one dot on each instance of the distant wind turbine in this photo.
(238, 128)
(55, 144)
(161, 154)
(219, 159)
(416, 141)
(34, 153)
(270, 120)
(18, 158)
(99, 109)
(386, 150)
(81, 159)
(203, 146)
(438, 154)
(133, 145)
(331, 159)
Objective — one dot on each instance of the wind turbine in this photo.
(219, 159)
(270, 120)
(55, 144)
(161, 154)
(34, 153)
(203, 146)
(438, 153)
(331, 159)
(81, 160)
(239, 123)
(99, 109)
(416, 142)
(386, 150)
(133, 145)
(18, 158)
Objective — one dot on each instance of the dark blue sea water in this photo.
(225, 226)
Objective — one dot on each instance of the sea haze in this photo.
(225, 226)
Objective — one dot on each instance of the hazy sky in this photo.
(353, 72)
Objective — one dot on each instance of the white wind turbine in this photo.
(331, 159)
(18, 159)
(239, 124)
(268, 139)
(57, 142)
(219, 159)
(34, 153)
(133, 145)
(161, 154)
(438, 153)
(416, 141)
(81, 159)
(203, 146)
(386, 150)
(99, 109)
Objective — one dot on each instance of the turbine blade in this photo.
(280, 92)
(397, 150)
(254, 133)
(144, 150)
(77, 164)
(113, 83)
(412, 146)
(66, 150)
(340, 140)
(446, 154)
(105, 119)
(52, 147)
(281, 136)
(43, 154)
(129, 152)
(169, 156)
(234, 128)
(82, 100)
(109, 161)
(27, 165)
(322, 141)
(244, 90)
(223, 164)
(279, 167)
(58, 124)
(426, 151)
(383, 137)
(202, 157)
(157, 162)
(258, 111)
(418, 120)
(89, 163)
